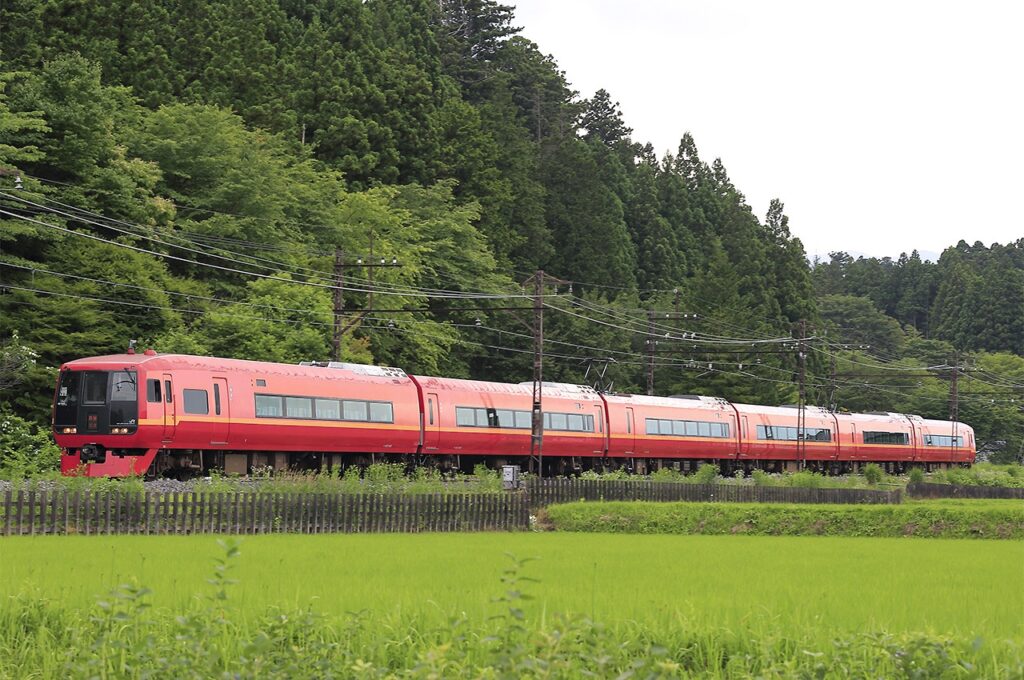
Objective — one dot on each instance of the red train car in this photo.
(182, 415)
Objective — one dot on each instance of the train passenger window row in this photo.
(783, 433)
(315, 408)
(897, 438)
(466, 416)
(686, 428)
(942, 440)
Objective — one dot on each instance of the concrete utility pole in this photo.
(801, 414)
(339, 329)
(537, 433)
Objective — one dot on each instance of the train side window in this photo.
(725, 429)
(665, 427)
(153, 395)
(629, 424)
(355, 410)
(679, 428)
(430, 410)
(575, 422)
(559, 421)
(269, 406)
(328, 409)
(524, 420)
(588, 423)
(465, 417)
(216, 399)
(167, 391)
(197, 402)
(652, 426)
(505, 418)
(481, 417)
(691, 428)
(298, 407)
(704, 429)
(381, 412)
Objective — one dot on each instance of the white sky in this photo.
(883, 126)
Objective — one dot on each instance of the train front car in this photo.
(99, 421)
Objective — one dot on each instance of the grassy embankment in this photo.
(1001, 519)
(419, 604)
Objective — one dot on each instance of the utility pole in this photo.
(651, 344)
(339, 329)
(339, 303)
(954, 405)
(801, 415)
(537, 433)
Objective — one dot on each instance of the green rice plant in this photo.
(222, 633)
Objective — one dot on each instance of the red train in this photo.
(171, 414)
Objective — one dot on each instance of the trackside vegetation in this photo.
(977, 519)
(456, 606)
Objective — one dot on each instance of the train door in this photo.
(431, 421)
(744, 436)
(221, 424)
(601, 430)
(630, 441)
(170, 404)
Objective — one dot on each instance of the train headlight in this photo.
(69, 430)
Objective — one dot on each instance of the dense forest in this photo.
(205, 176)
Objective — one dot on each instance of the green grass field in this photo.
(770, 592)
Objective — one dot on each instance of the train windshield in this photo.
(94, 401)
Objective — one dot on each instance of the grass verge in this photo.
(933, 520)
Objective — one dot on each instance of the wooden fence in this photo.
(543, 492)
(118, 512)
(114, 511)
(926, 490)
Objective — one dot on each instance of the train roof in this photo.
(694, 401)
(320, 370)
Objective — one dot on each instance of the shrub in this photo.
(873, 473)
(916, 475)
(762, 478)
(706, 474)
(26, 450)
(804, 479)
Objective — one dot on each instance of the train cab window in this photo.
(355, 410)
(328, 409)
(123, 386)
(381, 412)
(153, 395)
(94, 388)
(197, 402)
(269, 406)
